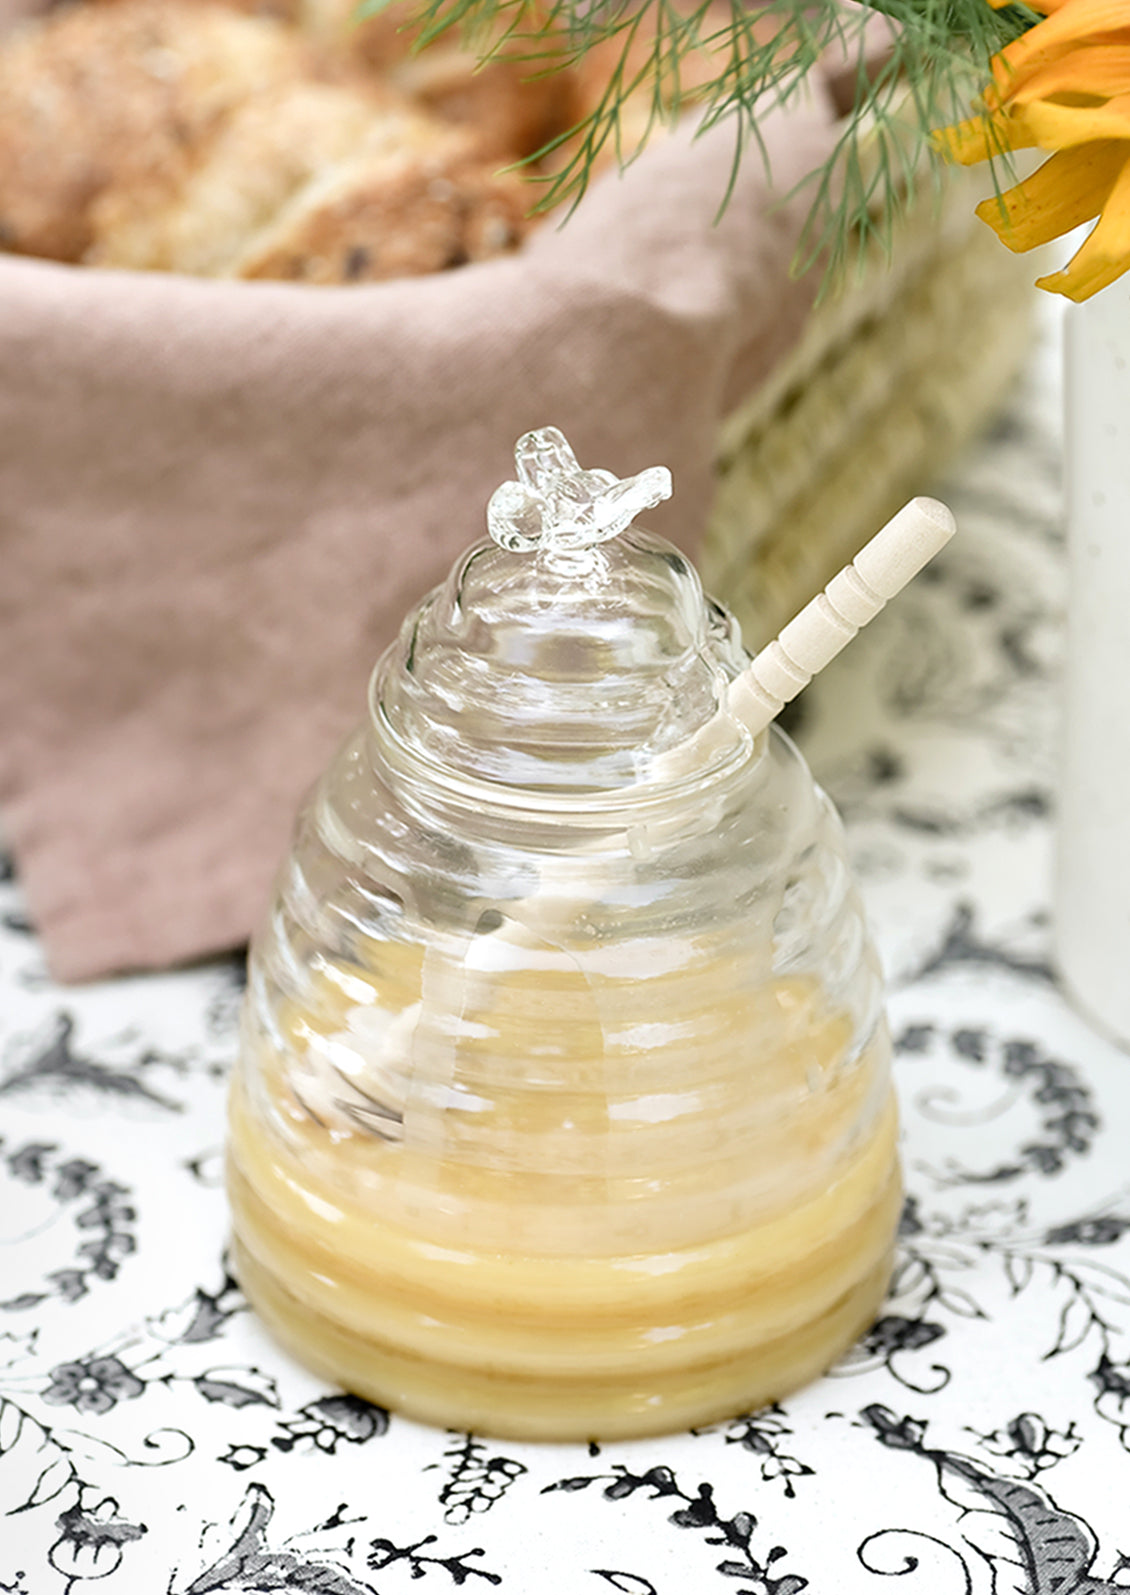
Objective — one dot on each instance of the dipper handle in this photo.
(852, 598)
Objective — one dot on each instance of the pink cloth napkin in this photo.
(217, 501)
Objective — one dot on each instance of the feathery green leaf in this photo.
(730, 62)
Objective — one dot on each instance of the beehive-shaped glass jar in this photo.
(563, 1105)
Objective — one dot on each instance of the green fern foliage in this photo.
(729, 61)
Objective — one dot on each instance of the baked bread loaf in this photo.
(197, 212)
(400, 211)
(100, 95)
(259, 141)
(270, 139)
(316, 184)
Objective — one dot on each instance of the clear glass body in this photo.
(563, 1105)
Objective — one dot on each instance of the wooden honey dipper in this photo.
(853, 597)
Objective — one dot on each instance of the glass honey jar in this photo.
(563, 1105)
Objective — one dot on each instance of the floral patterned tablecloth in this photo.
(152, 1439)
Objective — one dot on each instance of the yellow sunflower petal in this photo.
(1061, 127)
(1102, 71)
(980, 139)
(1071, 23)
(1105, 255)
(1066, 29)
(1068, 190)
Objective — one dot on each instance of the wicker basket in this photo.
(896, 370)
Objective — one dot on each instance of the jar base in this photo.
(564, 1348)
(507, 1407)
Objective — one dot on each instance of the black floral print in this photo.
(53, 1062)
(1068, 1118)
(1112, 1394)
(1051, 1546)
(1103, 1230)
(1032, 1443)
(700, 1513)
(92, 1386)
(477, 1477)
(251, 1564)
(893, 1333)
(763, 1435)
(331, 1421)
(459, 1568)
(100, 1210)
(92, 1540)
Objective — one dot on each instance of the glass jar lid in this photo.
(569, 651)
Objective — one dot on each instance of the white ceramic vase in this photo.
(1092, 921)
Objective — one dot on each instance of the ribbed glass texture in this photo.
(563, 1104)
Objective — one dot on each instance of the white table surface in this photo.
(153, 1440)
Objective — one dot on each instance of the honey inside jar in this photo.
(589, 1210)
